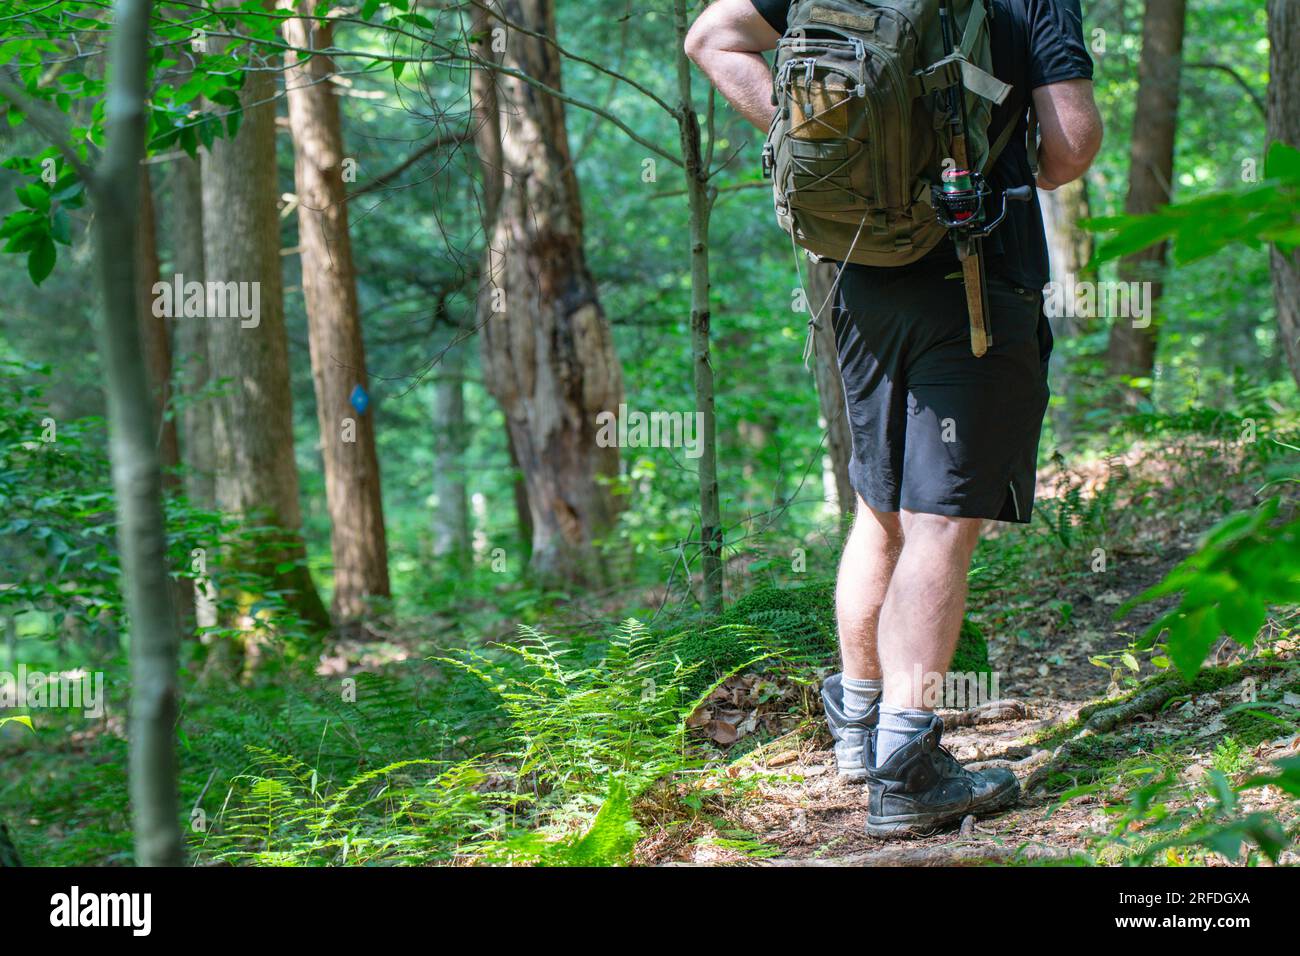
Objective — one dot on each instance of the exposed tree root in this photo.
(988, 713)
(1145, 701)
(1150, 696)
(1031, 762)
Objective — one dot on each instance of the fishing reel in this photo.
(959, 203)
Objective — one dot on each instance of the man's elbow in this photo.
(1067, 161)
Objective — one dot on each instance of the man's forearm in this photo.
(744, 81)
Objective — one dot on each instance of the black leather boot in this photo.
(921, 787)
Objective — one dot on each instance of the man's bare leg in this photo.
(921, 620)
(921, 616)
(851, 698)
(870, 553)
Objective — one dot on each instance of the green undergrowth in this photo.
(1109, 756)
(1208, 680)
(801, 623)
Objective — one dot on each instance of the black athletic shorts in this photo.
(935, 429)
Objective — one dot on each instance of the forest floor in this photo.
(1116, 756)
(784, 803)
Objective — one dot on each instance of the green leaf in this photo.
(40, 261)
(61, 226)
(1191, 635)
(22, 719)
(34, 196)
(415, 19)
(612, 835)
(1282, 162)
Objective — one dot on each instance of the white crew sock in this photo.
(860, 696)
(898, 726)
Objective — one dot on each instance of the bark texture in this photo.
(1284, 126)
(451, 524)
(338, 357)
(155, 334)
(830, 386)
(1069, 250)
(700, 197)
(137, 480)
(252, 421)
(487, 146)
(1132, 349)
(547, 352)
(191, 338)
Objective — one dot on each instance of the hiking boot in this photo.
(855, 740)
(922, 786)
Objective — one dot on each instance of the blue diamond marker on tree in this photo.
(360, 399)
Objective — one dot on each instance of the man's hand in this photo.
(1071, 129)
(725, 42)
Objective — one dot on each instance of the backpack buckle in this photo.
(769, 160)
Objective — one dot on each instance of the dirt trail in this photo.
(785, 805)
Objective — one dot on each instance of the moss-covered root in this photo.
(1148, 697)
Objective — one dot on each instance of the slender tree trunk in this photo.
(1284, 126)
(184, 221)
(156, 339)
(252, 420)
(338, 357)
(700, 197)
(830, 386)
(1069, 250)
(190, 358)
(548, 355)
(1132, 347)
(191, 354)
(137, 480)
(155, 335)
(451, 524)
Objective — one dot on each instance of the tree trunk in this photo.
(451, 525)
(191, 354)
(252, 420)
(548, 355)
(1132, 349)
(830, 387)
(700, 197)
(137, 481)
(1069, 251)
(190, 359)
(338, 357)
(156, 340)
(487, 145)
(1284, 126)
(155, 335)
(519, 491)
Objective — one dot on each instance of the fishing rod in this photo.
(959, 202)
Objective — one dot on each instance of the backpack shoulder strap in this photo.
(1004, 137)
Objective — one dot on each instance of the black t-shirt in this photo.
(1034, 43)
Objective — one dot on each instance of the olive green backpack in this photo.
(861, 130)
